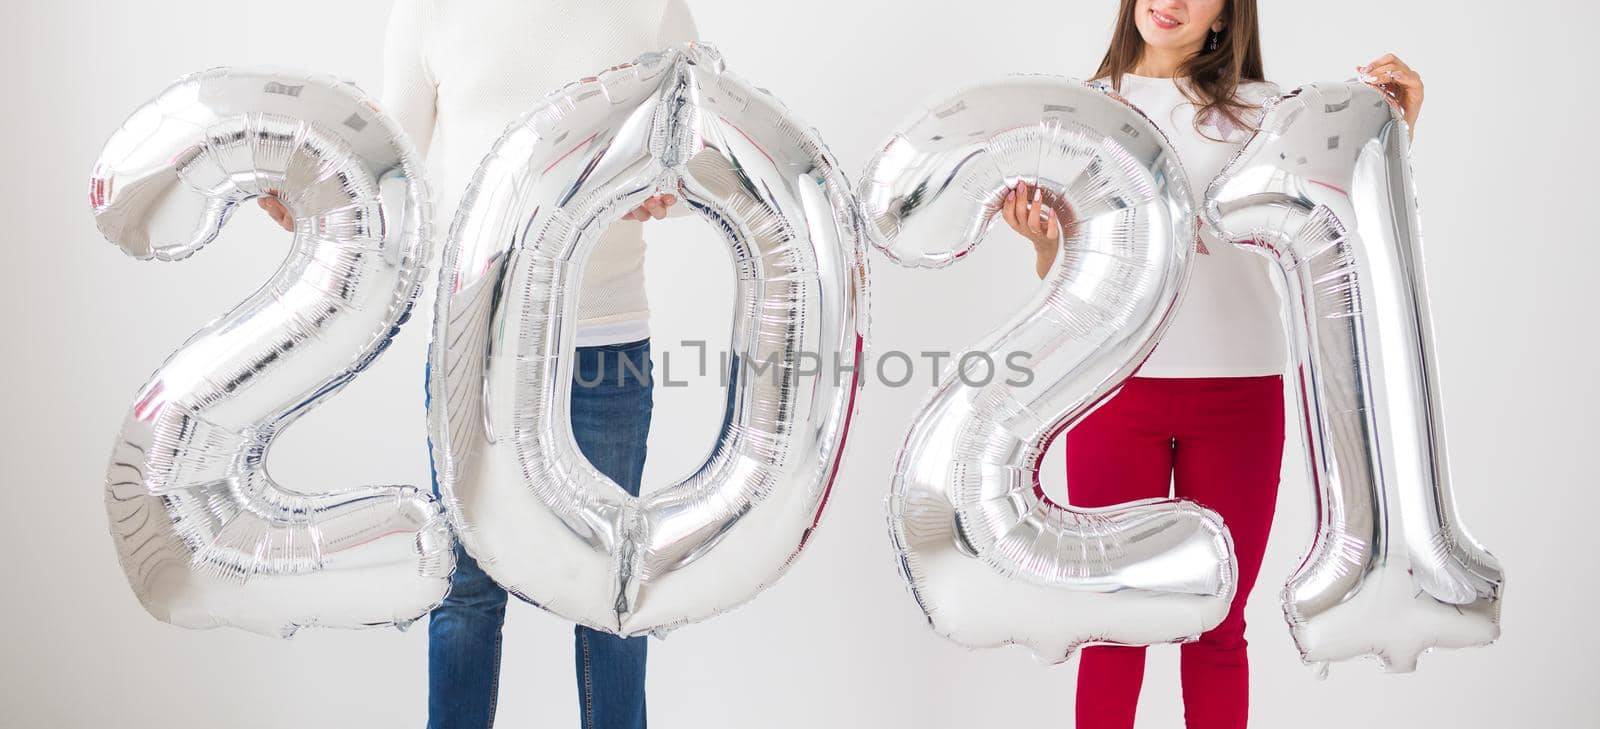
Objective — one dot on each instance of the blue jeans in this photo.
(611, 404)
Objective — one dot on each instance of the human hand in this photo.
(1398, 81)
(654, 206)
(1024, 209)
(277, 211)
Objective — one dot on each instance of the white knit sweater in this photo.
(1228, 324)
(457, 73)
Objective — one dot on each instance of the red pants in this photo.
(1217, 441)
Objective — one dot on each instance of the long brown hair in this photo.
(1214, 75)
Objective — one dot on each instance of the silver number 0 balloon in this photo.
(988, 557)
(525, 503)
(205, 535)
(1325, 191)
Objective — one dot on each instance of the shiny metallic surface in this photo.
(205, 535)
(988, 557)
(525, 503)
(1325, 190)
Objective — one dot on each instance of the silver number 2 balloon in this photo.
(988, 557)
(540, 519)
(1325, 191)
(205, 535)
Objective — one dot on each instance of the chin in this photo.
(1164, 42)
(1160, 38)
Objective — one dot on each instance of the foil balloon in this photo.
(1325, 191)
(205, 535)
(988, 557)
(540, 519)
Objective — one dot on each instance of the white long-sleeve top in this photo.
(457, 73)
(1228, 324)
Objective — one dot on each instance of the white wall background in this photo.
(1502, 160)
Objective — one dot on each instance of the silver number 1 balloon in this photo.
(526, 504)
(205, 535)
(1325, 190)
(988, 557)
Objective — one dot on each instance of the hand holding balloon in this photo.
(1027, 212)
(1399, 82)
(654, 206)
(277, 211)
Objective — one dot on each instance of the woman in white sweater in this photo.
(1203, 416)
(456, 74)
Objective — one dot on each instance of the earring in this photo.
(1215, 41)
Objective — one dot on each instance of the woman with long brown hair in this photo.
(1203, 417)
